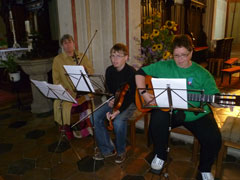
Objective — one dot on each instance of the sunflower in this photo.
(170, 24)
(159, 47)
(175, 28)
(159, 15)
(145, 36)
(148, 21)
(151, 36)
(154, 47)
(155, 32)
(166, 54)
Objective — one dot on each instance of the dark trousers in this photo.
(204, 129)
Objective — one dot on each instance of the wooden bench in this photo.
(179, 130)
(230, 71)
(231, 138)
(215, 64)
(196, 145)
(231, 61)
(137, 115)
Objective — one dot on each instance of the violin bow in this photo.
(87, 48)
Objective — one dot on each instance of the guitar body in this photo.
(139, 99)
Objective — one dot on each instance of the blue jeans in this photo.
(103, 139)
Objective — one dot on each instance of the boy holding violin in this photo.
(120, 81)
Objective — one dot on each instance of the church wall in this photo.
(108, 17)
(233, 25)
(134, 28)
(219, 21)
(65, 17)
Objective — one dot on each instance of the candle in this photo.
(10, 15)
(27, 26)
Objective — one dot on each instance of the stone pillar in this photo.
(37, 70)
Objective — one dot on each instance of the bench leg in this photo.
(133, 134)
(230, 77)
(222, 77)
(220, 157)
(195, 151)
(146, 126)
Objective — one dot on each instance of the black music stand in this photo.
(170, 93)
(83, 84)
(59, 93)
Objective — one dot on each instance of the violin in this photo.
(119, 98)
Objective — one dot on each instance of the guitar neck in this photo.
(201, 97)
(222, 99)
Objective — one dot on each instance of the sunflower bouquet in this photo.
(156, 39)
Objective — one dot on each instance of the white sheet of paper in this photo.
(163, 83)
(53, 91)
(75, 74)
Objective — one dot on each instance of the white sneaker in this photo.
(157, 165)
(207, 176)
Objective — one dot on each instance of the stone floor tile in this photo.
(182, 169)
(35, 134)
(5, 147)
(37, 174)
(12, 177)
(21, 166)
(10, 157)
(136, 166)
(110, 171)
(230, 171)
(83, 175)
(63, 171)
(35, 152)
(48, 161)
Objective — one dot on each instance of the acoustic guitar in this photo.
(224, 100)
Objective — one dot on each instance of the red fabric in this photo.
(200, 48)
(84, 127)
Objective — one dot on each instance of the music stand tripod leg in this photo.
(62, 136)
(94, 136)
(165, 173)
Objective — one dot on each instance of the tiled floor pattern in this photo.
(27, 143)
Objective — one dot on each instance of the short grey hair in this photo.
(66, 37)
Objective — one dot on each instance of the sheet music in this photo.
(174, 84)
(75, 73)
(53, 91)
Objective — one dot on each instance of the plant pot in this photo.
(14, 76)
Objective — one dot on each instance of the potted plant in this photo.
(3, 44)
(11, 67)
(156, 39)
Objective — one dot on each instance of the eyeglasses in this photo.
(116, 56)
(181, 56)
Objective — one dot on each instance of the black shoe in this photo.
(99, 156)
(120, 158)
